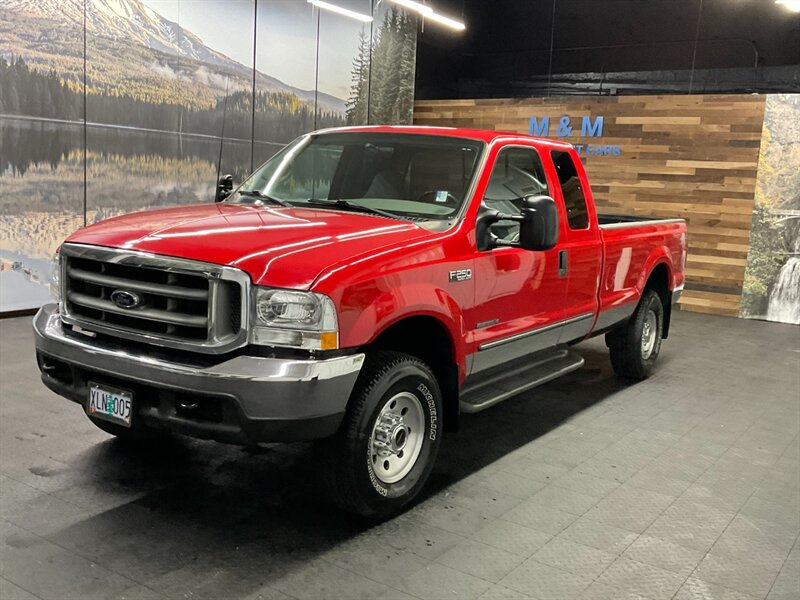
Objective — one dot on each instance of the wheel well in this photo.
(427, 339)
(659, 283)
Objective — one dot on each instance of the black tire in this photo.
(135, 434)
(352, 473)
(627, 344)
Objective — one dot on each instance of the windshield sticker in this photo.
(441, 196)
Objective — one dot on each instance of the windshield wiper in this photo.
(262, 196)
(351, 206)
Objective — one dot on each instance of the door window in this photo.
(571, 189)
(517, 172)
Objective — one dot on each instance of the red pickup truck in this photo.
(363, 288)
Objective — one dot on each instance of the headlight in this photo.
(54, 282)
(294, 319)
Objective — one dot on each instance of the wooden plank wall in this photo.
(690, 156)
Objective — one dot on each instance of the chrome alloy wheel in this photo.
(649, 332)
(397, 437)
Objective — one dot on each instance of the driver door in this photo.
(519, 295)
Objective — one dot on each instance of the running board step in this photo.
(502, 386)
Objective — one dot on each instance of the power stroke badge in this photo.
(460, 275)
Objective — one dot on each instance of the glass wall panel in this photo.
(394, 54)
(286, 66)
(41, 143)
(343, 71)
(167, 80)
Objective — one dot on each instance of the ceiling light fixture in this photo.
(428, 13)
(792, 5)
(341, 11)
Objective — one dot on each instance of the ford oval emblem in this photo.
(125, 299)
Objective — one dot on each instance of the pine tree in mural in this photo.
(358, 101)
(383, 88)
(385, 72)
(407, 68)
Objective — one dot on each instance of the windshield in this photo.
(407, 175)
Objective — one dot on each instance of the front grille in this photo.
(172, 304)
(175, 302)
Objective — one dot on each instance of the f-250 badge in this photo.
(460, 275)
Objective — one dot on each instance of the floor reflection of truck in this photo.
(363, 287)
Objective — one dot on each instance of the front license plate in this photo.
(112, 405)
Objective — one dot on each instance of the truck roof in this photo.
(484, 135)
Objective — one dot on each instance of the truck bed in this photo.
(630, 245)
(624, 221)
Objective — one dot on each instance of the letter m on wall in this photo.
(589, 129)
(542, 129)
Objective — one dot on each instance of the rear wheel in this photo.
(385, 450)
(634, 347)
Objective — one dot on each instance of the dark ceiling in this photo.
(609, 46)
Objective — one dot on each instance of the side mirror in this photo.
(538, 225)
(224, 188)
(538, 229)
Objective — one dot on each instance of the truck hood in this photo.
(281, 247)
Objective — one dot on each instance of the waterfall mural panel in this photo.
(176, 90)
(772, 279)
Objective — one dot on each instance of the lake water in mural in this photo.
(42, 187)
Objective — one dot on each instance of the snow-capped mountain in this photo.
(135, 21)
(124, 23)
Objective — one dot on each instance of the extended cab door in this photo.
(519, 295)
(580, 252)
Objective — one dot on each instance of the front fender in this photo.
(367, 310)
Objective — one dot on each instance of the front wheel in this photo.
(635, 346)
(386, 447)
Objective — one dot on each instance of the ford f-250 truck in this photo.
(363, 287)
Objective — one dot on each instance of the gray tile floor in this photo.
(685, 486)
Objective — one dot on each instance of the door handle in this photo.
(562, 263)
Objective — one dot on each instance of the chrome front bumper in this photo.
(254, 399)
